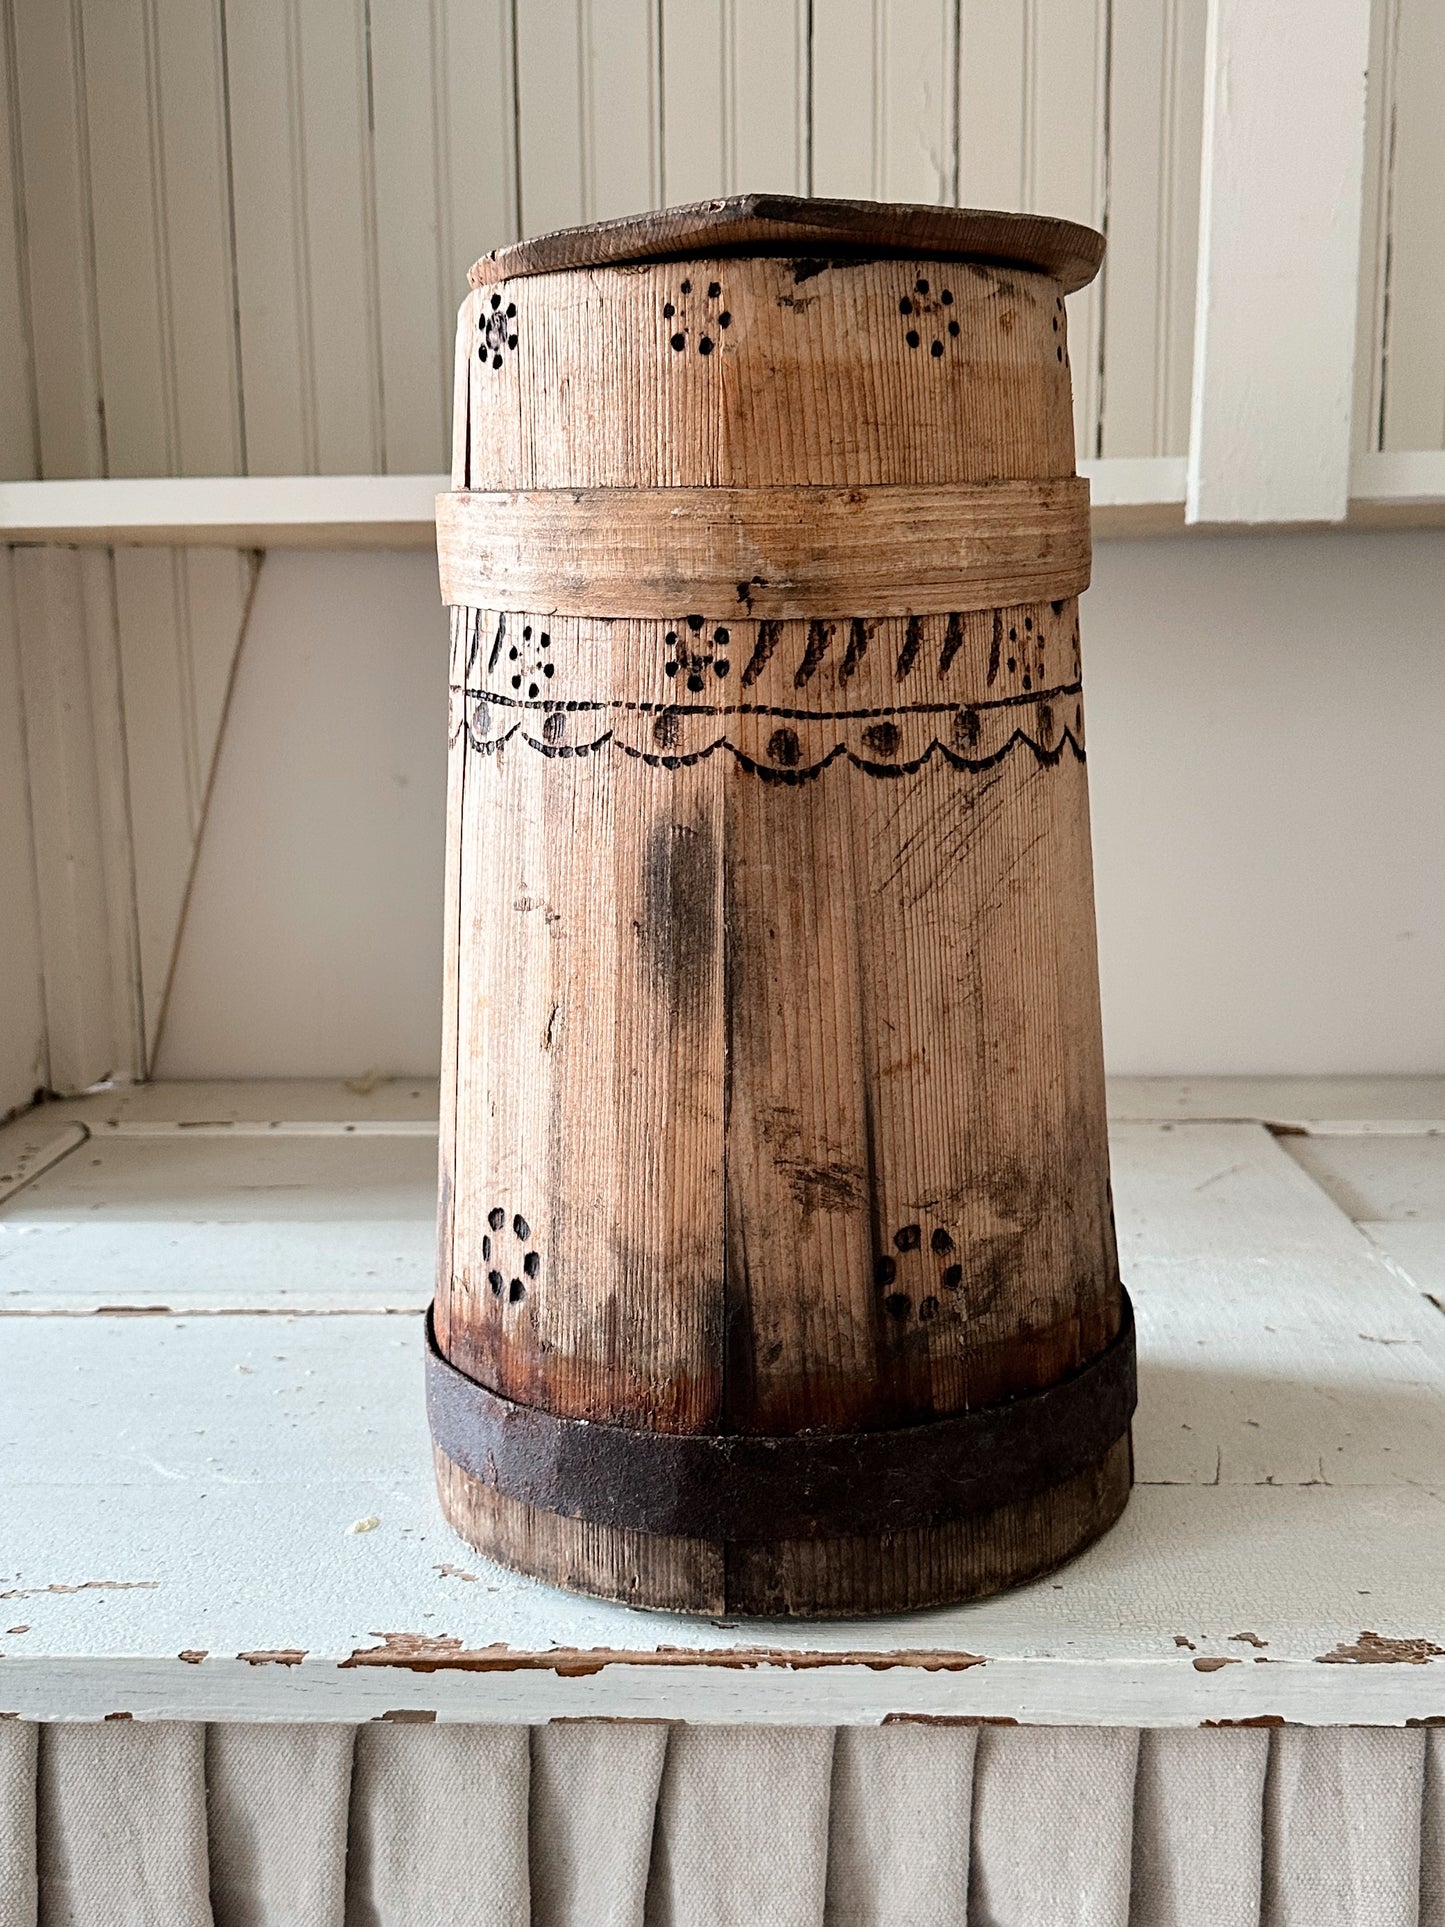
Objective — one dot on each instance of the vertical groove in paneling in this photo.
(49, 84)
(268, 194)
(884, 99)
(23, 1068)
(115, 826)
(477, 162)
(334, 107)
(1033, 96)
(19, 427)
(194, 163)
(734, 97)
(551, 173)
(622, 125)
(1412, 409)
(75, 756)
(1368, 411)
(1156, 96)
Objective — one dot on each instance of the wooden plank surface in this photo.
(183, 1496)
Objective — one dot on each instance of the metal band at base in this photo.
(752, 1488)
(784, 552)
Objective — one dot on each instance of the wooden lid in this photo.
(792, 224)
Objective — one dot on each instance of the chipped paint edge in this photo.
(850, 1690)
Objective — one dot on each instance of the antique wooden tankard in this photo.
(776, 1261)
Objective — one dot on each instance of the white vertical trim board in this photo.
(1280, 206)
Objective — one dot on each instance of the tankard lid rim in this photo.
(783, 224)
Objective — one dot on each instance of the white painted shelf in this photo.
(1131, 496)
(184, 1475)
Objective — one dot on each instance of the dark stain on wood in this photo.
(679, 896)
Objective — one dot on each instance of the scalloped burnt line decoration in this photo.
(783, 772)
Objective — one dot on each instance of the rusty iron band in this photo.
(751, 1488)
(778, 553)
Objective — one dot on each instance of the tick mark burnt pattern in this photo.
(801, 703)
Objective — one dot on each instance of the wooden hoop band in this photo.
(752, 1489)
(660, 553)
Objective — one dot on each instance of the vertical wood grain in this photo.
(19, 453)
(49, 84)
(884, 100)
(775, 1107)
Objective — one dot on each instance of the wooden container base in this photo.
(795, 1578)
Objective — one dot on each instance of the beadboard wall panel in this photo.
(885, 100)
(193, 193)
(734, 98)
(1156, 107)
(198, 194)
(48, 134)
(114, 675)
(75, 756)
(1033, 90)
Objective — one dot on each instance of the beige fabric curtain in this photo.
(645, 1825)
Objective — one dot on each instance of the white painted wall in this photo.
(312, 939)
(1267, 754)
(1267, 766)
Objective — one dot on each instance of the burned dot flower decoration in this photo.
(498, 328)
